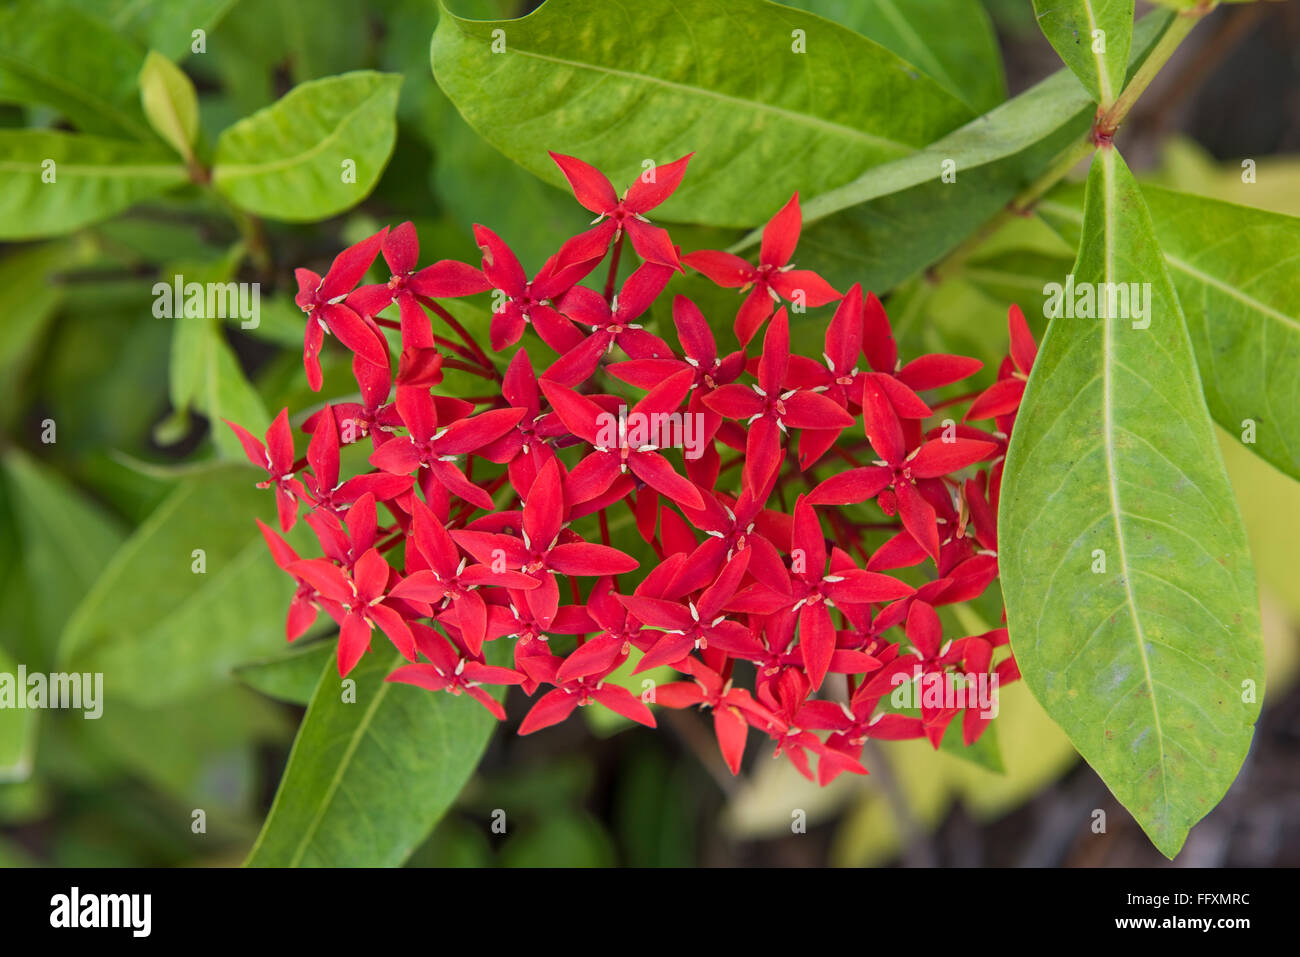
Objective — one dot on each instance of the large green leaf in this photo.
(368, 778)
(164, 630)
(1234, 270)
(1144, 660)
(90, 179)
(722, 79)
(293, 160)
(900, 217)
(1092, 37)
(951, 41)
(74, 64)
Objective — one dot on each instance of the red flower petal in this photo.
(643, 196)
(937, 370)
(781, 234)
(723, 268)
(590, 186)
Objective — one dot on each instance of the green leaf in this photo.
(167, 26)
(1092, 37)
(562, 838)
(28, 303)
(161, 628)
(292, 160)
(17, 730)
(170, 103)
(951, 41)
(900, 217)
(55, 181)
(200, 751)
(66, 540)
(73, 64)
(292, 676)
(984, 753)
(1232, 266)
(368, 779)
(723, 79)
(318, 46)
(1143, 660)
(203, 372)
(205, 376)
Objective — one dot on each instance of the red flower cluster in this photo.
(484, 498)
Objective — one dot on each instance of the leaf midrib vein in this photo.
(794, 117)
(358, 732)
(1109, 200)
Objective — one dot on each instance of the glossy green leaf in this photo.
(369, 776)
(1233, 268)
(1130, 594)
(56, 181)
(292, 676)
(725, 80)
(169, 101)
(900, 217)
(315, 152)
(72, 63)
(1092, 37)
(951, 41)
(162, 628)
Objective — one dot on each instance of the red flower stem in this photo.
(604, 527)
(443, 341)
(456, 347)
(472, 369)
(451, 320)
(613, 269)
(851, 459)
(389, 543)
(955, 400)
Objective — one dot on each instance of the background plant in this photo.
(154, 180)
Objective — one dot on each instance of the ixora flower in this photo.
(773, 279)
(522, 517)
